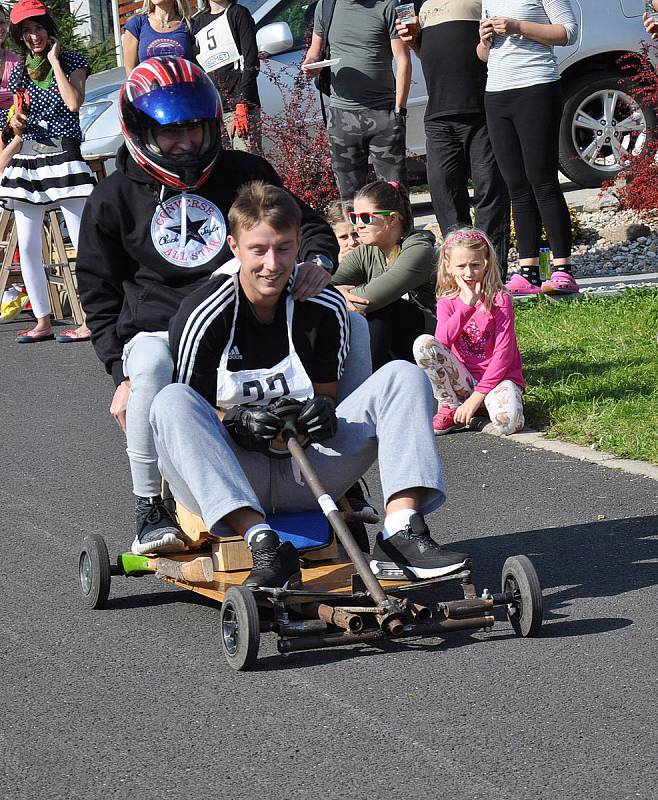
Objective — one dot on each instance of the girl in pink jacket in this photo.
(473, 357)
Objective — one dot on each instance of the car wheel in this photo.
(601, 126)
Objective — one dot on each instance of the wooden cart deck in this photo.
(330, 577)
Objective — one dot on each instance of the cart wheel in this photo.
(520, 578)
(240, 623)
(94, 571)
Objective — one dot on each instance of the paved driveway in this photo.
(135, 701)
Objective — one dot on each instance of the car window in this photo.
(299, 16)
(252, 5)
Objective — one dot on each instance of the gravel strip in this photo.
(595, 257)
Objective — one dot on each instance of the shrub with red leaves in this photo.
(296, 142)
(638, 188)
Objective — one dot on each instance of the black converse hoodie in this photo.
(144, 247)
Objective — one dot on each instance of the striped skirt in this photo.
(46, 174)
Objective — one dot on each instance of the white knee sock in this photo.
(396, 521)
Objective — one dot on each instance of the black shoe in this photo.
(276, 563)
(412, 553)
(157, 530)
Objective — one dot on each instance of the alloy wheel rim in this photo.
(608, 127)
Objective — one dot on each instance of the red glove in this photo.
(240, 123)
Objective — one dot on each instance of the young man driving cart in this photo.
(243, 349)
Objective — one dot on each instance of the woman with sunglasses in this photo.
(393, 270)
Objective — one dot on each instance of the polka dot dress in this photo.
(49, 167)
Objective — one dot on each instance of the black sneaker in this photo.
(157, 530)
(276, 563)
(412, 553)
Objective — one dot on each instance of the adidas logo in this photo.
(234, 354)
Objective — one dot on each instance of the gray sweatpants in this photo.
(148, 363)
(386, 418)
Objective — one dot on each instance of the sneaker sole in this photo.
(169, 543)
(293, 582)
(453, 429)
(393, 572)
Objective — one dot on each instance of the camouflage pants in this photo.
(354, 137)
(452, 383)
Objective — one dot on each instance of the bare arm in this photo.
(313, 54)
(409, 33)
(486, 40)
(130, 46)
(549, 35)
(403, 72)
(9, 150)
(72, 89)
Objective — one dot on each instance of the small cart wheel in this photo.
(94, 571)
(526, 612)
(240, 623)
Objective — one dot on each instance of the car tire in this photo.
(585, 100)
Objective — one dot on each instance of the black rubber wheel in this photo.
(520, 578)
(94, 571)
(240, 626)
(601, 125)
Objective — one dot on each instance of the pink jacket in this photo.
(6, 97)
(484, 342)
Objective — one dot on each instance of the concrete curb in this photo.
(532, 438)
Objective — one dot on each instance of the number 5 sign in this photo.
(216, 45)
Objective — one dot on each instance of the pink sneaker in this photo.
(560, 283)
(444, 421)
(519, 286)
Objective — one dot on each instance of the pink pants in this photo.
(452, 383)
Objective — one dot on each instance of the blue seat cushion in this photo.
(307, 530)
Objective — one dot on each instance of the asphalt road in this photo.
(136, 702)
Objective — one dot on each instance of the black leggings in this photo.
(393, 330)
(524, 125)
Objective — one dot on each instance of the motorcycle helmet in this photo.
(170, 91)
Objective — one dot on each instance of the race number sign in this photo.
(217, 47)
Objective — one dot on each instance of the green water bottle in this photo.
(544, 263)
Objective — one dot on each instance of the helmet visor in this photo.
(183, 102)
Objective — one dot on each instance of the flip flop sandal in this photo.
(519, 286)
(560, 283)
(72, 336)
(26, 337)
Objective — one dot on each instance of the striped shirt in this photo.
(202, 327)
(516, 61)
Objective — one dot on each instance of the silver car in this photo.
(601, 123)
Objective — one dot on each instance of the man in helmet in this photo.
(152, 233)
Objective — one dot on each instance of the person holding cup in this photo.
(523, 102)
(444, 36)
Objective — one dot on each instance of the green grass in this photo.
(591, 366)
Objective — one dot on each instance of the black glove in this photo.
(318, 418)
(252, 428)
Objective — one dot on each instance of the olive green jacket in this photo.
(413, 272)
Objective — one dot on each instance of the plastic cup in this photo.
(405, 12)
(648, 7)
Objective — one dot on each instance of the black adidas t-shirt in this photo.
(201, 329)
(454, 75)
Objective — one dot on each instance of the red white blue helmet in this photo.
(170, 91)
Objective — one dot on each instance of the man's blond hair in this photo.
(258, 201)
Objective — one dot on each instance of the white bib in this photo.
(259, 387)
(216, 45)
